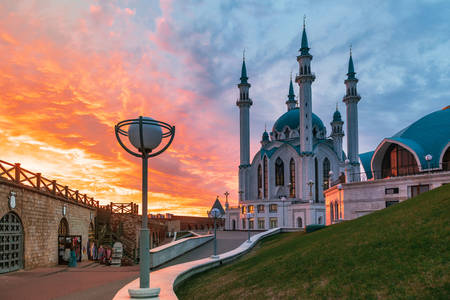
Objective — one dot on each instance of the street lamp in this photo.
(428, 158)
(249, 215)
(146, 135)
(215, 213)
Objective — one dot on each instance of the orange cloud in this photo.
(64, 86)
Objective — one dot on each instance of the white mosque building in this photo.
(283, 184)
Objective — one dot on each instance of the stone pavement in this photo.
(87, 281)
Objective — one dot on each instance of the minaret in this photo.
(304, 79)
(244, 104)
(265, 138)
(337, 133)
(291, 102)
(351, 100)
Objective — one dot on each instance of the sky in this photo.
(70, 70)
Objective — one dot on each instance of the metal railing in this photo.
(392, 173)
(19, 175)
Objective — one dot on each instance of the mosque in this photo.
(301, 176)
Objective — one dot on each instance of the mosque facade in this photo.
(283, 185)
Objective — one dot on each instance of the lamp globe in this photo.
(215, 212)
(151, 134)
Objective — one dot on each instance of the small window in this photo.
(273, 208)
(261, 223)
(243, 209)
(251, 223)
(391, 191)
(419, 189)
(273, 222)
(251, 209)
(390, 203)
(261, 208)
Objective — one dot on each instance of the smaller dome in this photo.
(265, 136)
(337, 116)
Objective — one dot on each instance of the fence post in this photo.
(66, 191)
(38, 181)
(85, 199)
(17, 172)
(54, 186)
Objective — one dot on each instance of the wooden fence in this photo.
(17, 174)
(122, 208)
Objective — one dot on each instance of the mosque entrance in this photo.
(11, 243)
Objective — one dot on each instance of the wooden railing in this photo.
(122, 208)
(17, 174)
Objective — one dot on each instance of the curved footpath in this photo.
(168, 278)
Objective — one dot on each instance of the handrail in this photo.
(19, 175)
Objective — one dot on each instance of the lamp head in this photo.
(347, 161)
(151, 135)
(215, 212)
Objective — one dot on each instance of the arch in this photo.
(266, 178)
(378, 155)
(319, 220)
(259, 181)
(336, 210)
(331, 212)
(11, 243)
(398, 161)
(63, 227)
(444, 161)
(299, 222)
(292, 178)
(279, 172)
(234, 224)
(326, 167)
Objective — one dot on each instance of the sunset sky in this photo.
(70, 70)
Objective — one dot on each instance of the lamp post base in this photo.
(151, 293)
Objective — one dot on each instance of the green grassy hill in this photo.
(399, 252)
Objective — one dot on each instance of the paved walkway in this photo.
(87, 281)
(91, 280)
(226, 241)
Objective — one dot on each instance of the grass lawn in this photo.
(399, 252)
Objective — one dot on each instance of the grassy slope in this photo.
(399, 252)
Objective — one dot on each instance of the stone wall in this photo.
(41, 213)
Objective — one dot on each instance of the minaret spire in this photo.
(304, 50)
(351, 100)
(305, 78)
(291, 102)
(244, 102)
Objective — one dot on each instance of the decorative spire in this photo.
(351, 69)
(291, 95)
(304, 50)
(244, 70)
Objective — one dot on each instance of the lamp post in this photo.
(146, 135)
(310, 183)
(215, 213)
(347, 162)
(249, 215)
(283, 199)
(428, 158)
(330, 178)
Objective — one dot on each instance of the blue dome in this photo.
(337, 116)
(428, 135)
(292, 120)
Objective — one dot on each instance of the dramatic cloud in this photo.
(70, 71)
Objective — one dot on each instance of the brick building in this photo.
(35, 213)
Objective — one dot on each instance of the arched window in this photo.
(292, 178)
(398, 161)
(259, 182)
(320, 220)
(336, 210)
(314, 132)
(266, 179)
(446, 160)
(63, 228)
(286, 133)
(279, 172)
(299, 222)
(316, 179)
(326, 173)
(331, 212)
